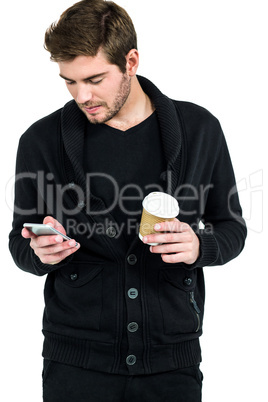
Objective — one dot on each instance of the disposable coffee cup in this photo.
(157, 207)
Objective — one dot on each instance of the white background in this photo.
(213, 53)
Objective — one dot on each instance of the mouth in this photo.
(93, 109)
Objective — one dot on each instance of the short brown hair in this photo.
(87, 27)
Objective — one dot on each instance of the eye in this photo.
(95, 82)
(70, 82)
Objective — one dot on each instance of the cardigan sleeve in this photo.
(209, 172)
(26, 210)
(224, 233)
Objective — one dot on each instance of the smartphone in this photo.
(41, 229)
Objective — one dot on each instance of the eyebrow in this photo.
(85, 79)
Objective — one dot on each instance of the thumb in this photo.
(49, 220)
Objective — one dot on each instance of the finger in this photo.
(172, 226)
(46, 240)
(171, 248)
(58, 257)
(56, 248)
(175, 258)
(27, 234)
(168, 238)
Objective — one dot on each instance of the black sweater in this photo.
(93, 298)
(128, 166)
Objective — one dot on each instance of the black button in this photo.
(131, 359)
(132, 327)
(188, 281)
(111, 232)
(132, 293)
(73, 277)
(132, 259)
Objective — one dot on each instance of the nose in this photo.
(84, 93)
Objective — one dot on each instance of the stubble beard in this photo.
(119, 101)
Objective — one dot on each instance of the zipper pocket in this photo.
(196, 310)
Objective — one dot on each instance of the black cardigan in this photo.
(93, 298)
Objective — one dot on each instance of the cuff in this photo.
(209, 251)
(47, 268)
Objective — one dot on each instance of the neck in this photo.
(137, 108)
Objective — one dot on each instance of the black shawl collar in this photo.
(73, 123)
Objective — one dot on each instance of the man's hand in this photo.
(51, 249)
(178, 241)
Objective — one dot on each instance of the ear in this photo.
(132, 62)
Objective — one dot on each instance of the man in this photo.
(122, 319)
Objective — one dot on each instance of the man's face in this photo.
(99, 88)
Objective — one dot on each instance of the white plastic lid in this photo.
(161, 204)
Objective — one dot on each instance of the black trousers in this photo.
(63, 383)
